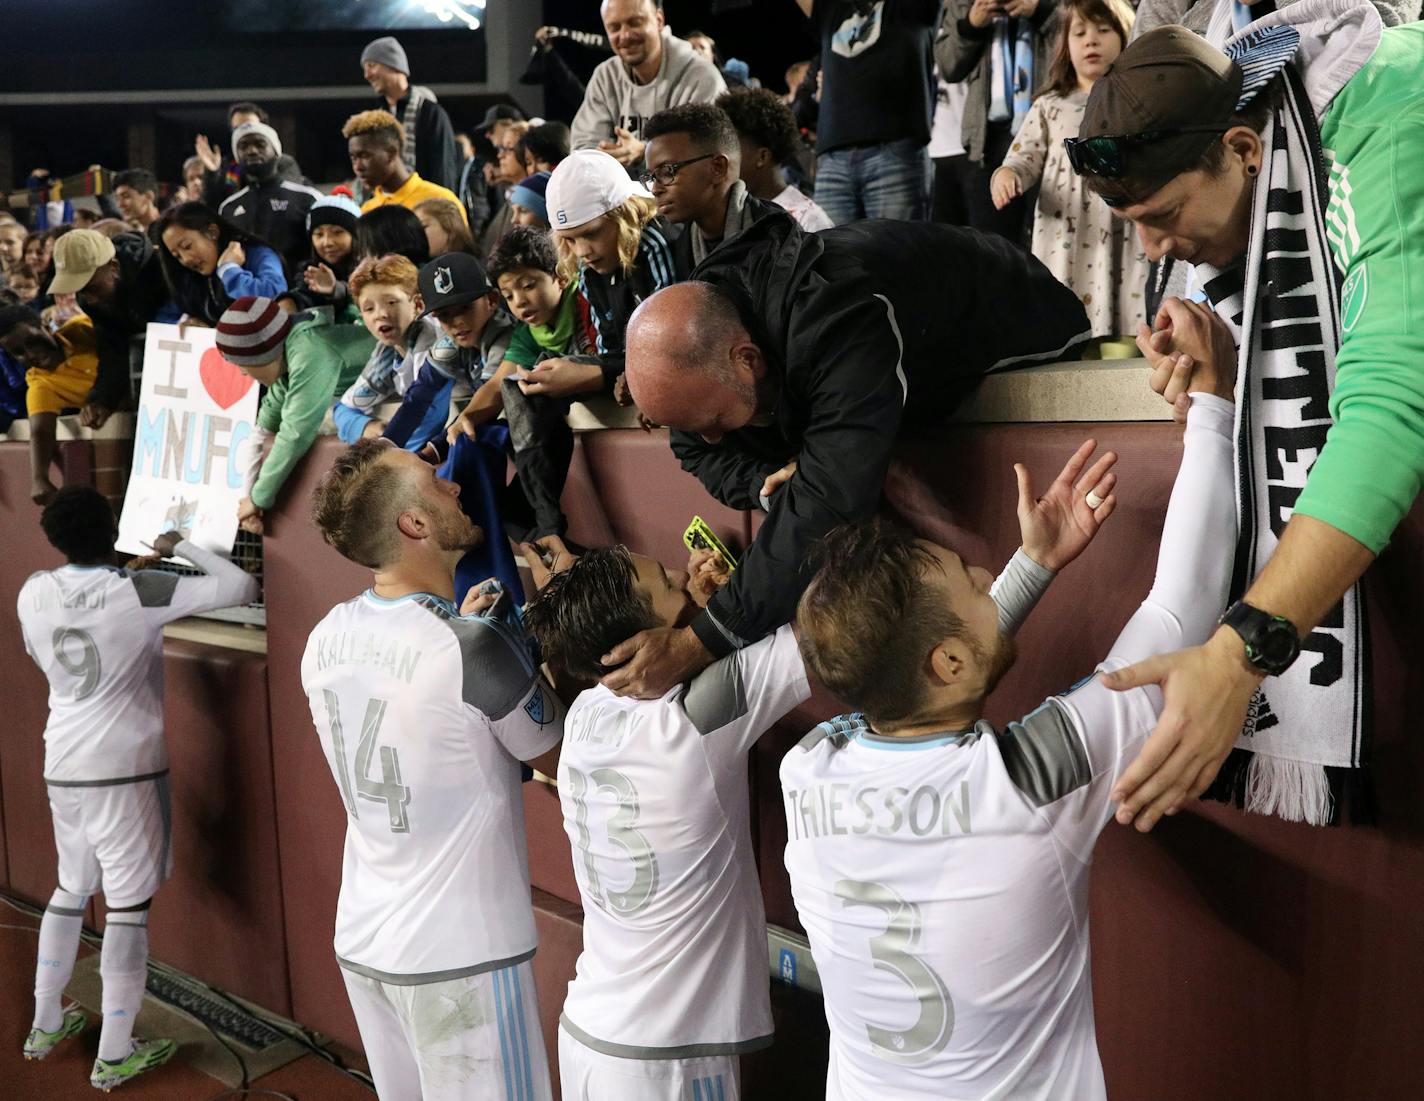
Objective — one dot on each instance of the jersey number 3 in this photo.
(890, 951)
(388, 789)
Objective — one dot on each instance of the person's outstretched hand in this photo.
(1004, 187)
(1189, 348)
(1205, 692)
(1058, 526)
(208, 153)
(166, 544)
(320, 279)
(652, 662)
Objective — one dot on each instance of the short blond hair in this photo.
(632, 217)
(391, 270)
(373, 122)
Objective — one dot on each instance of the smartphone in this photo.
(700, 536)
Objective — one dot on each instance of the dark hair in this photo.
(1127, 189)
(79, 523)
(198, 295)
(522, 247)
(356, 503)
(759, 116)
(13, 316)
(548, 143)
(246, 108)
(392, 228)
(140, 179)
(869, 618)
(588, 609)
(1118, 14)
(707, 126)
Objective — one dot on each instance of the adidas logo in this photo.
(1259, 715)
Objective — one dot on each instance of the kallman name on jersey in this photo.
(395, 658)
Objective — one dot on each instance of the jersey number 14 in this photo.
(388, 789)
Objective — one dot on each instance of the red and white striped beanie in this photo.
(251, 331)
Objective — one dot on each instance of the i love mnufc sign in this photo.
(195, 409)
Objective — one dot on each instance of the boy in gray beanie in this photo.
(429, 138)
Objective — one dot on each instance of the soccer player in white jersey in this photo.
(673, 983)
(97, 634)
(424, 717)
(940, 867)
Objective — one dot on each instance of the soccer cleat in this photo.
(39, 1043)
(146, 1055)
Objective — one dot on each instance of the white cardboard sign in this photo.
(195, 409)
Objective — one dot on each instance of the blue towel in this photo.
(480, 468)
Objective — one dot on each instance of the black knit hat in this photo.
(333, 210)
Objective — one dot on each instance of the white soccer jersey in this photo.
(97, 633)
(655, 802)
(424, 717)
(943, 879)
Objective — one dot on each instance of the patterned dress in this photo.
(1074, 234)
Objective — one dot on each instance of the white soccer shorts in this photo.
(588, 1075)
(114, 838)
(470, 1039)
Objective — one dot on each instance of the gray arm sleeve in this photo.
(497, 670)
(1016, 590)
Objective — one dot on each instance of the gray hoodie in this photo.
(613, 99)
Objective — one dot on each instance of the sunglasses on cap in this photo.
(1104, 155)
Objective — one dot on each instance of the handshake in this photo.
(1189, 348)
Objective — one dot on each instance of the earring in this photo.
(1251, 170)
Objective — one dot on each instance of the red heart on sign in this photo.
(224, 383)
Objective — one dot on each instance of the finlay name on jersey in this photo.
(828, 810)
(599, 725)
(364, 648)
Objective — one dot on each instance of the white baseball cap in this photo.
(586, 185)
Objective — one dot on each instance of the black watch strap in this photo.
(1272, 641)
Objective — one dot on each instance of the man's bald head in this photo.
(691, 362)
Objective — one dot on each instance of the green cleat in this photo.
(38, 1043)
(146, 1055)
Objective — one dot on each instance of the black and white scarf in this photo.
(418, 97)
(1306, 728)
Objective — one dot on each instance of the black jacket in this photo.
(683, 259)
(613, 298)
(859, 325)
(138, 297)
(275, 211)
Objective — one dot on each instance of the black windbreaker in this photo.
(862, 327)
(137, 299)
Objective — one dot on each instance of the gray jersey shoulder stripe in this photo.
(840, 730)
(716, 696)
(154, 587)
(1044, 755)
(495, 677)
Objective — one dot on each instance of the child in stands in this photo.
(321, 280)
(304, 361)
(386, 292)
(528, 206)
(444, 225)
(1074, 233)
(208, 262)
(61, 368)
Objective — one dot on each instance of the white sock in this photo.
(123, 965)
(59, 945)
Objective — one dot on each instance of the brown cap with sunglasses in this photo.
(1169, 80)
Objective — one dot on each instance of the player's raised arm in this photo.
(224, 584)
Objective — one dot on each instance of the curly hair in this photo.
(523, 247)
(392, 270)
(586, 610)
(759, 116)
(79, 523)
(708, 127)
(381, 123)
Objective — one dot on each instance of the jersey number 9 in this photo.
(85, 666)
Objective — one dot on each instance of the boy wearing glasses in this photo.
(694, 163)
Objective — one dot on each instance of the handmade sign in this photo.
(195, 409)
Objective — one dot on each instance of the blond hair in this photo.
(391, 270)
(632, 215)
(373, 122)
(358, 502)
(452, 220)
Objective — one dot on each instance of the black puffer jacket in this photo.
(862, 326)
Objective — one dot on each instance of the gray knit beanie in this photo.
(387, 51)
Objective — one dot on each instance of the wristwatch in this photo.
(1272, 642)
